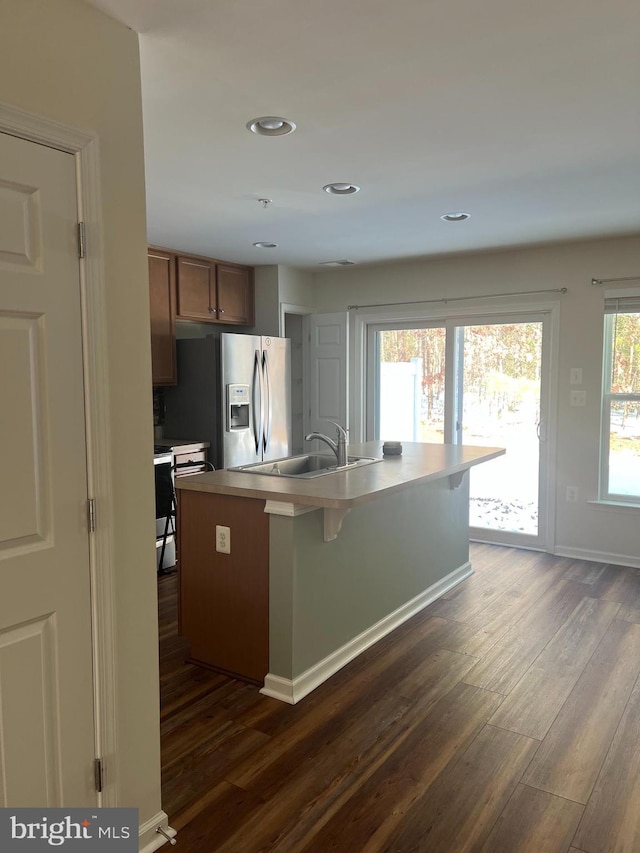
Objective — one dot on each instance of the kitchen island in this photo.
(319, 569)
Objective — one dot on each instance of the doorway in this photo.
(481, 380)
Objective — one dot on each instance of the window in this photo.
(620, 454)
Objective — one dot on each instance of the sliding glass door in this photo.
(472, 380)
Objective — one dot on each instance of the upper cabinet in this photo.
(162, 301)
(235, 294)
(196, 289)
(201, 290)
(210, 291)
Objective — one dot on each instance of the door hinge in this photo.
(98, 774)
(82, 240)
(91, 515)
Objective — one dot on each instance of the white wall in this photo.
(267, 309)
(580, 527)
(295, 287)
(66, 61)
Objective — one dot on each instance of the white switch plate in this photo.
(223, 539)
(575, 376)
(572, 494)
(578, 398)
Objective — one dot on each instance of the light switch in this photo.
(575, 376)
(578, 398)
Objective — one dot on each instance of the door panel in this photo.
(500, 405)
(276, 355)
(46, 688)
(196, 288)
(328, 358)
(235, 295)
(242, 426)
(25, 520)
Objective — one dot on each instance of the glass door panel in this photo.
(499, 401)
(410, 394)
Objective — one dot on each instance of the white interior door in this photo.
(46, 686)
(329, 365)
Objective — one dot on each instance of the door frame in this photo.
(83, 145)
(304, 311)
(360, 355)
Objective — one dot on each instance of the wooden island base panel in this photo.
(299, 596)
(224, 598)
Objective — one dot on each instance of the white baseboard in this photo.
(150, 840)
(293, 690)
(598, 556)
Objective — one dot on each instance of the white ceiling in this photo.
(523, 113)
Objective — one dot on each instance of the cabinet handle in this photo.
(212, 310)
(221, 310)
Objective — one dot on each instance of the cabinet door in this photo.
(235, 294)
(196, 288)
(162, 304)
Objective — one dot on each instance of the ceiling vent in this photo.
(342, 263)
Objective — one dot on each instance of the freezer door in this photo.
(242, 400)
(276, 369)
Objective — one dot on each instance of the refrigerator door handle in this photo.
(268, 407)
(257, 405)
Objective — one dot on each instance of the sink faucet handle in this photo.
(342, 432)
(343, 441)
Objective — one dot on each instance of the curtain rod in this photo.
(456, 298)
(607, 280)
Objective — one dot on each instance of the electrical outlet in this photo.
(578, 398)
(223, 539)
(572, 494)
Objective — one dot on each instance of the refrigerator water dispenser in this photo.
(237, 407)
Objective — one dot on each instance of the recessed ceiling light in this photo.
(264, 245)
(341, 189)
(271, 126)
(455, 217)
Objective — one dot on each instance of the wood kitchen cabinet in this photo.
(162, 304)
(209, 291)
(235, 294)
(196, 289)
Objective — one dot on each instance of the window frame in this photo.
(630, 299)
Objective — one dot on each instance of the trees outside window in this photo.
(620, 455)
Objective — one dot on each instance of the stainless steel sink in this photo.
(305, 466)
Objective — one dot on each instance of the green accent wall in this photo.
(323, 594)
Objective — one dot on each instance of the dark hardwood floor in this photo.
(503, 718)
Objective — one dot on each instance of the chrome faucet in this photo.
(339, 447)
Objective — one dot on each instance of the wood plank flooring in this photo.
(504, 718)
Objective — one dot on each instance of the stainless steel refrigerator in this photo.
(233, 391)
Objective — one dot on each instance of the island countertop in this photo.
(418, 463)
